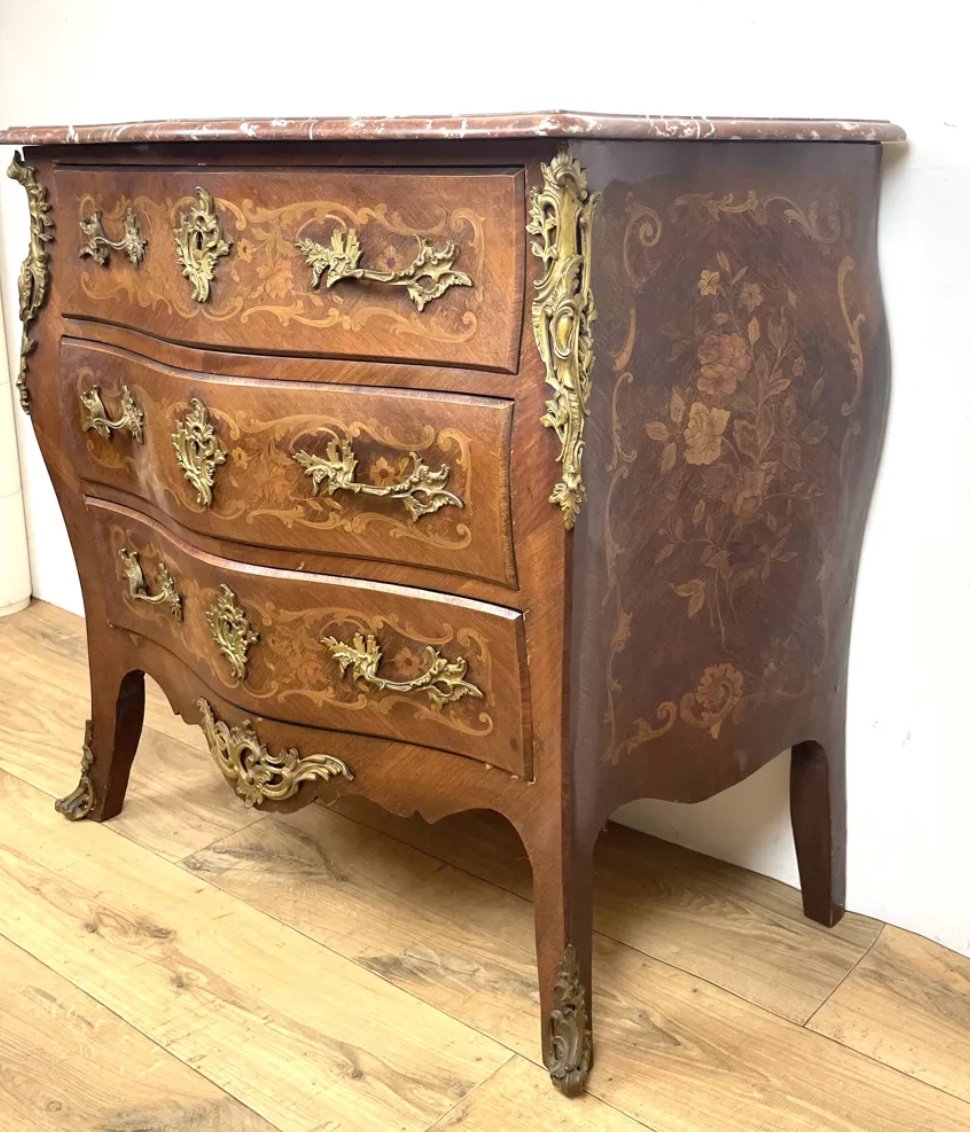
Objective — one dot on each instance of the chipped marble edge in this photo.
(555, 124)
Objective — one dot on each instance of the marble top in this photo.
(550, 124)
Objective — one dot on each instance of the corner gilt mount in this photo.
(563, 313)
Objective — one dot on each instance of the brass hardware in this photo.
(569, 1055)
(254, 773)
(443, 681)
(231, 630)
(199, 242)
(198, 451)
(99, 247)
(95, 417)
(167, 594)
(341, 260)
(421, 490)
(562, 315)
(80, 802)
(35, 276)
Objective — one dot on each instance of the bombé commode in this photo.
(516, 463)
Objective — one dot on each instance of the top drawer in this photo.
(406, 266)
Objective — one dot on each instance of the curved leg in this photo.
(817, 790)
(110, 741)
(563, 885)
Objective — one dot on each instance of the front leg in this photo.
(110, 741)
(562, 872)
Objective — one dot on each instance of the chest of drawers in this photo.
(509, 463)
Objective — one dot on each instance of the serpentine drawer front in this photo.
(484, 463)
(382, 660)
(361, 263)
(400, 475)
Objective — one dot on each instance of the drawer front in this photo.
(388, 661)
(410, 266)
(396, 475)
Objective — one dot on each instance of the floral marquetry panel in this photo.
(257, 284)
(739, 354)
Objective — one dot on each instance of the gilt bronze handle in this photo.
(95, 417)
(421, 490)
(167, 595)
(97, 245)
(425, 278)
(443, 681)
(198, 451)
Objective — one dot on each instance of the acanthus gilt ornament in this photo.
(421, 490)
(97, 245)
(443, 681)
(198, 451)
(80, 802)
(562, 315)
(570, 1037)
(33, 282)
(427, 277)
(199, 243)
(254, 772)
(231, 630)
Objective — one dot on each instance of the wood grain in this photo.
(177, 802)
(743, 932)
(465, 946)
(907, 1004)
(284, 1025)
(66, 1062)
(518, 1097)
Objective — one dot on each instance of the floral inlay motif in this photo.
(739, 464)
(745, 428)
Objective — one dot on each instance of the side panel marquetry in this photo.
(387, 661)
(399, 476)
(422, 266)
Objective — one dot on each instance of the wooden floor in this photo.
(195, 966)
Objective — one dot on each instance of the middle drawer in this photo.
(396, 475)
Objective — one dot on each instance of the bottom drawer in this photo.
(433, 670)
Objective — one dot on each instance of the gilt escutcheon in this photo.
(198, 451)
(199, 244)
(231, 630)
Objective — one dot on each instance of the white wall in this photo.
(107, 60)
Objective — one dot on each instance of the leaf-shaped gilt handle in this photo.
(94, 417)
(421, 490)
(443, 681)
(425, 278)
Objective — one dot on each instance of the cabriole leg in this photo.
(110, 741)
(818, 820)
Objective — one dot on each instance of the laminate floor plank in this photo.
(743, 932)
(518, 1099)
(68, 1063)
(907, 1004)
(287, 1027)
(177, 799)
(672, 1052)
